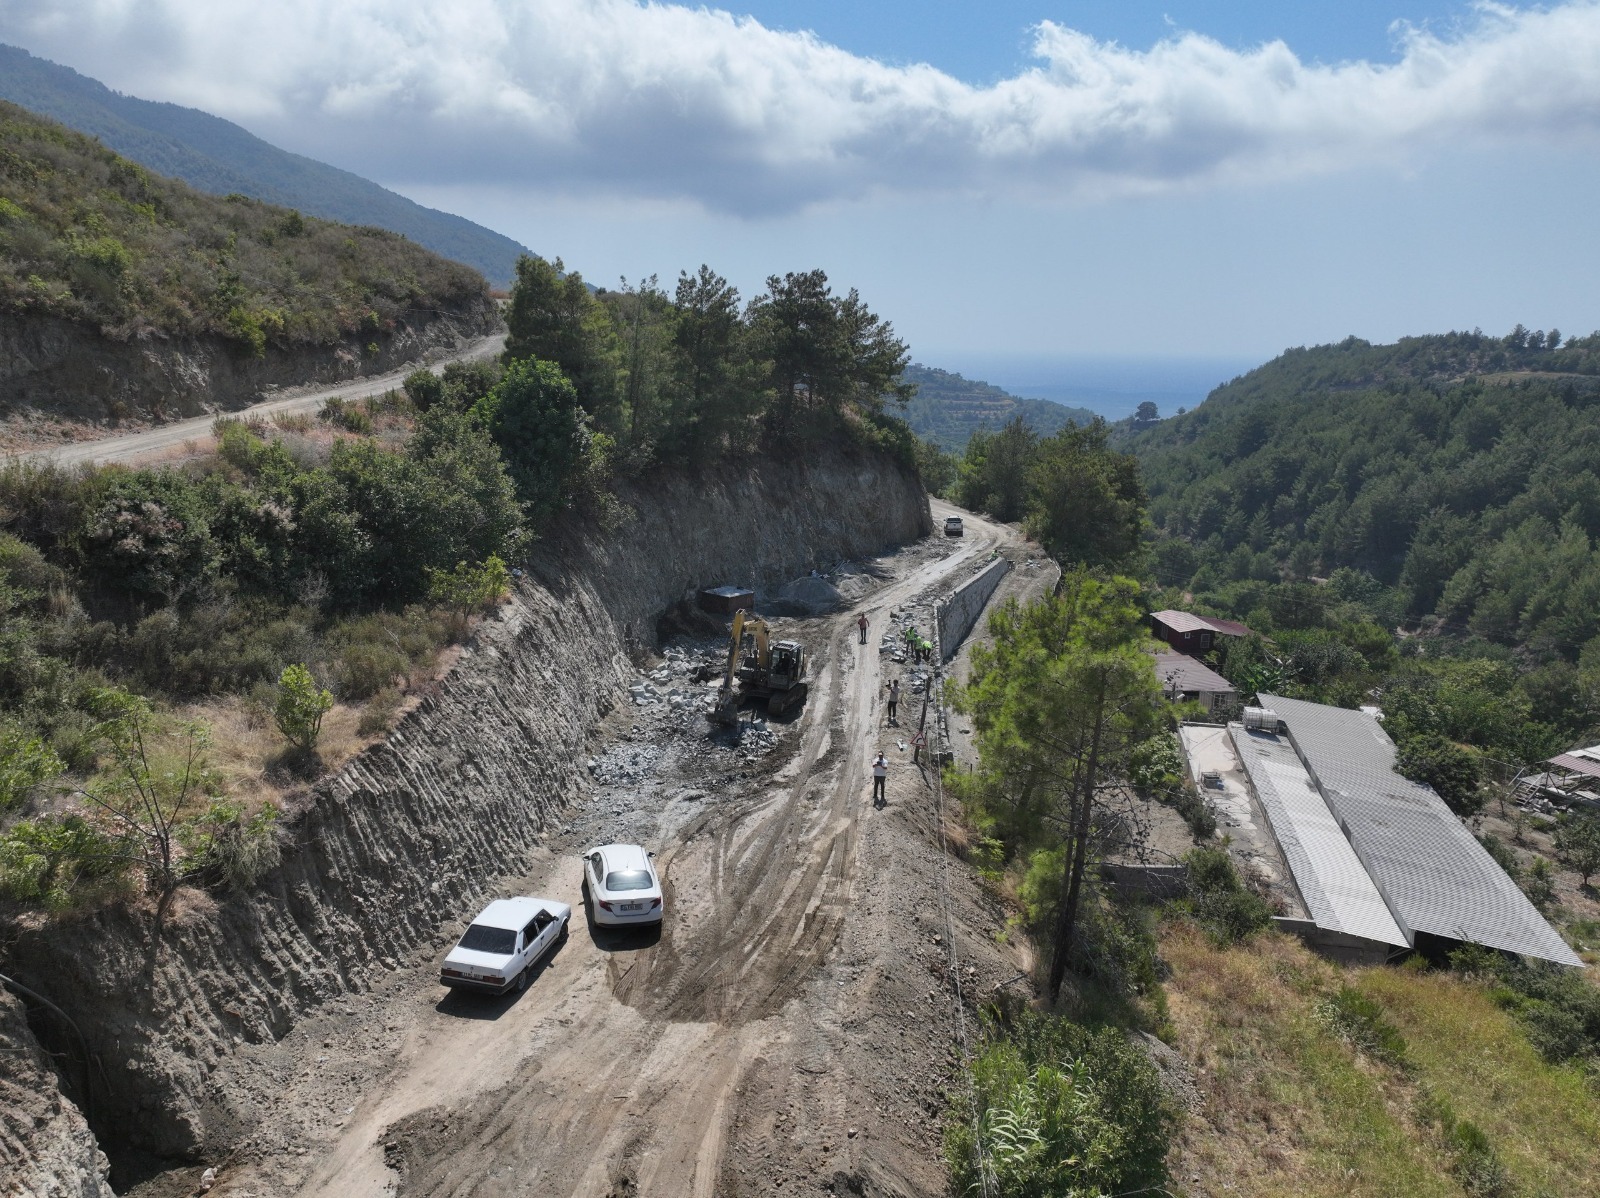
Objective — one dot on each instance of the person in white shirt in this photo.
(880, 778)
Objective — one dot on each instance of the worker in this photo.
(894, 698)
(862, 624)
(880, 778)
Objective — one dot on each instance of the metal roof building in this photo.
(1432, 873)
(1181, 676)
(1339, 894)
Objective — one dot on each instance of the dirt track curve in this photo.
(765, 1041)
(164, 438)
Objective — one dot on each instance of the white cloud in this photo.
(611, 97)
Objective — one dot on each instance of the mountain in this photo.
(122, 291)
(218, 156)
(1457, 472)
(947, 408)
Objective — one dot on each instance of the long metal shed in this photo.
(1432, 872)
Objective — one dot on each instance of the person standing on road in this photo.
(862, 622)
(894, 699)
(880, 778)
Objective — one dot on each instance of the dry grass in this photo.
(1543, 1119)
(1289, 1109)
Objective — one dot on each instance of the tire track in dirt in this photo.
(620, 1070)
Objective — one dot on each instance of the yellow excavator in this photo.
(764, 669)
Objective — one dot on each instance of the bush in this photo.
(423, 388)
(1219, 900)
(363, 669)
(226, 849)
(25, 762)
(1558, 1007)
(379, 713)
(50, 861)
(1062, 1110)
(350, 416)
(1450, 770)
(1354, 1017)
(300, 707)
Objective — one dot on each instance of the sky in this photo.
(1019, 185)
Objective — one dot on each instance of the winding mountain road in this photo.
(130, 447)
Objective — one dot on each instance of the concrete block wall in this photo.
(959, 613)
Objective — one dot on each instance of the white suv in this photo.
(500, 948)
(953, 526)
(624, 889)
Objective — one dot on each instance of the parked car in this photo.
(953, 527)
(624, 888)
(501, 946)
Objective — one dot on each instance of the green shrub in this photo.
(25, 762)
(423, 388)
(1354, 1017)
(1219, 899)
(300, 707)
(225, 848)
(1540, 883)
(1060, 1110)
(350, 416)
(1558, 1007)
(51, 861)
(363, 669)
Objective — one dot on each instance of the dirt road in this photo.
(790, 1026)
(167, 437)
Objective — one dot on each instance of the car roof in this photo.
(511, 913)
(623, 856)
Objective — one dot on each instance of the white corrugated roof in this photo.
(1435, 875)
(1338, 892)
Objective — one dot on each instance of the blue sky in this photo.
(984, 41)
(1012, 184)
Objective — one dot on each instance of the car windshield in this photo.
(482, 939)
(628, 879)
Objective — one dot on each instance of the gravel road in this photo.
(792, 1027)
(167, 437)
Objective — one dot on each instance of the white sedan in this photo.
(500, 948)
(624, 888)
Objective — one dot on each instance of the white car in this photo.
(501, 946)
(624, 888)
(953, 527)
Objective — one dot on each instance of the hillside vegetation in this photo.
(947, 409)
(291, 590)
(219, 157)
(92, 237)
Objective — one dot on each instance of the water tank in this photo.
(1260, 719)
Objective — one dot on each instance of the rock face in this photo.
(65, 369)
(414, 831)
(46, 1148)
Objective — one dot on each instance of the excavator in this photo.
(764, 669)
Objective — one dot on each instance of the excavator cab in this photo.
(773, 670)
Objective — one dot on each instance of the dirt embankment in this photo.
(411, 833)
(59, 369)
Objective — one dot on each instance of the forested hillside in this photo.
(1445, 486)
(92, 237)
(1459, 469)
(219, 157)
(947, 409)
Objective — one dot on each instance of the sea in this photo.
(1108, 385)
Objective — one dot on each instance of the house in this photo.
(1189, 633)
(1184, 679)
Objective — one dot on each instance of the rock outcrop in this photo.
(46, 1147)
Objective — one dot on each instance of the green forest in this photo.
(92, 237)
(947, 409)
(1413, 524)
